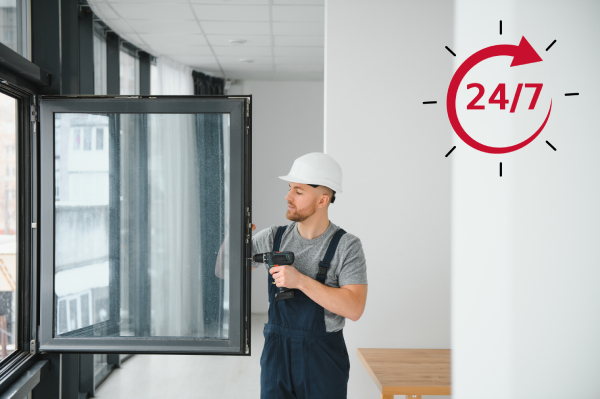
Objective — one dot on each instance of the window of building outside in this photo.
(129, 74)
(100, 80)
(8, 225)
(15, 26)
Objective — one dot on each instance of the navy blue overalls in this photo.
(300, 359)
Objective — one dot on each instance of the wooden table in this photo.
(410, 372)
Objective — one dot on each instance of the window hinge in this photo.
(249, 232)
(33, 347)
(35, 115)
(246, 332)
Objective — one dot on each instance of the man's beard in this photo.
(300, 216)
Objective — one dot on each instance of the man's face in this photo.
(302, 202)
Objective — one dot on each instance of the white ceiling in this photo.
(283, 38)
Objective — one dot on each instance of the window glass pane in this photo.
(139, 224)
(8, 225)
(99, 139)
(100, 80)
(129, 74)
(15, 26)
(87, 138)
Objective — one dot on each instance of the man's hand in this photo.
(287, 276)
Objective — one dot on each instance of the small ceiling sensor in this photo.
(237, 41)
(246, 60)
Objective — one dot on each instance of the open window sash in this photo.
(145, 224)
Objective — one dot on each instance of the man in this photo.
(305, 354)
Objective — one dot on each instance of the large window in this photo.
(15, 26)
(146, 198)
(100, 80)
(129, 72)
(8, 225)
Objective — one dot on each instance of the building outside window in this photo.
(15, 26)
(8, 226)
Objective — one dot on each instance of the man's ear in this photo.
(324, 200)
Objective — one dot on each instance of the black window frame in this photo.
(240, 247)
(20, 79)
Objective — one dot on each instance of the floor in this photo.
(189, 376)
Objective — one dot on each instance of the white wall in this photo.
(287, 122)
(383, 59)
(526, 258)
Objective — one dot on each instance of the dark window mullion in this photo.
(86, 51)
(113, 84)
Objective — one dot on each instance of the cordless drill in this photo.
(275, 259)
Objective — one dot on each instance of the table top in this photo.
(408, 371)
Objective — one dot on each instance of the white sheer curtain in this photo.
(174, 204)
(171, 78)
(175, 276)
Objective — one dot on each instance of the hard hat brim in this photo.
(321, 182)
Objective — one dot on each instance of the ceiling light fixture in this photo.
(237, 41)
(247, 60)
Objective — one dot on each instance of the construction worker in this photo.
(305, 355)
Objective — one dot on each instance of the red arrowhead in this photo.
(525, 54)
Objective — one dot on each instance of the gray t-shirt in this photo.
(348, 265)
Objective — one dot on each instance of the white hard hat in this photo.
(316, 168)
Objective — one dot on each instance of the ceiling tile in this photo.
(251, 41)
(119, 26)
(247, 67)
(182, 49)
(295, 76)
(105, 11)
(299, 68)
(242, 51)
(299, 60)
(135, 39)
(228, 2)
(154, 11)
(247, 75)
(236, 28)
(231, 13)
(299, 13)
(299, 40)
(232, 60)
(299, 28)
(165, 26)
(299, 51)
(299, 2)
(142, 1)
(173, 38)
(189, 59)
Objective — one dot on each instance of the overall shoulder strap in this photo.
(324, 264)
(278, 235)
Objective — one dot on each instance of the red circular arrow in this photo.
(523, 54)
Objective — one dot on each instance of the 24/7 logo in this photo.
(522, 54)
